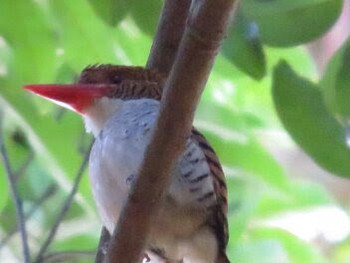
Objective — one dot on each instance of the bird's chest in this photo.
(117, 154)
(116, 158)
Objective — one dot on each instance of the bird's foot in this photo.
(146, 258)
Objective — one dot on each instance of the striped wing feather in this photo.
(219, 222)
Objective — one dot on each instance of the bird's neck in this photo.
(96, 116)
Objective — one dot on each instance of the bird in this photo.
(120, 105)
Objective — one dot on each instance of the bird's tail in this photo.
(222, 258)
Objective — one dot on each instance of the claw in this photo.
(145, 256)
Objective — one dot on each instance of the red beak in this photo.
(76, 97)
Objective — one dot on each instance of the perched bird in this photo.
(119, 105)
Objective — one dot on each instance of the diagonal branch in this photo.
(24, 165)
(102, 245)
(170, 29)
(206, 27)
(65, 207)
(15, 196)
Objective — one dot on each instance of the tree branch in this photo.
(102, 245)
(15, 196)
(170, 29)
(65, 207)
(51, 189)
(24, 165)
(206, 27)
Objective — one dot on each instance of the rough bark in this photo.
(170, 29)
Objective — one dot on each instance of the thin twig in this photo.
(170, 29)
(24, 165)
(65, 207)
(51, 190)
(15, 196)
(102, 245)
(206, 27)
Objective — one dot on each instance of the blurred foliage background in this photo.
(258, 113)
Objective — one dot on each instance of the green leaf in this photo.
(77, 242)
(36, 179)
(85, 39)
(243, 47)
(341, 253)
(288, 23)
(264, 251)
(251, 157)
(243, 200)
(16, 146)
(298, 58)
(299, 195)
(146, 14)
(125, 38)
(110, 11)
(4, 196)
(247, 155)
(8, 216)
(31, 39)
(216, 116)
(300, 106)
(297, 250)
(336, 84)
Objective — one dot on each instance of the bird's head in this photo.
(97, 82)
(100, 89)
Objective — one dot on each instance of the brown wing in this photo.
(219, 220)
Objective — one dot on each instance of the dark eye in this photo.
(117, 80)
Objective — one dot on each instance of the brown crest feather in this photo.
(105, 73)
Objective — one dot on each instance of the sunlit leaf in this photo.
(298, 251)
(145, 14)
(249, 156)
(263, 251)
(85, 39)
(4, 197)
(342, 252)
(301, 108)
(243, 199)
(243, 47)
(110, 11)
(299, 195)
(78, 242)
(31, 39)
(336, 84)
(287, 23)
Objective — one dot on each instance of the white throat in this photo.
(96, 116)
